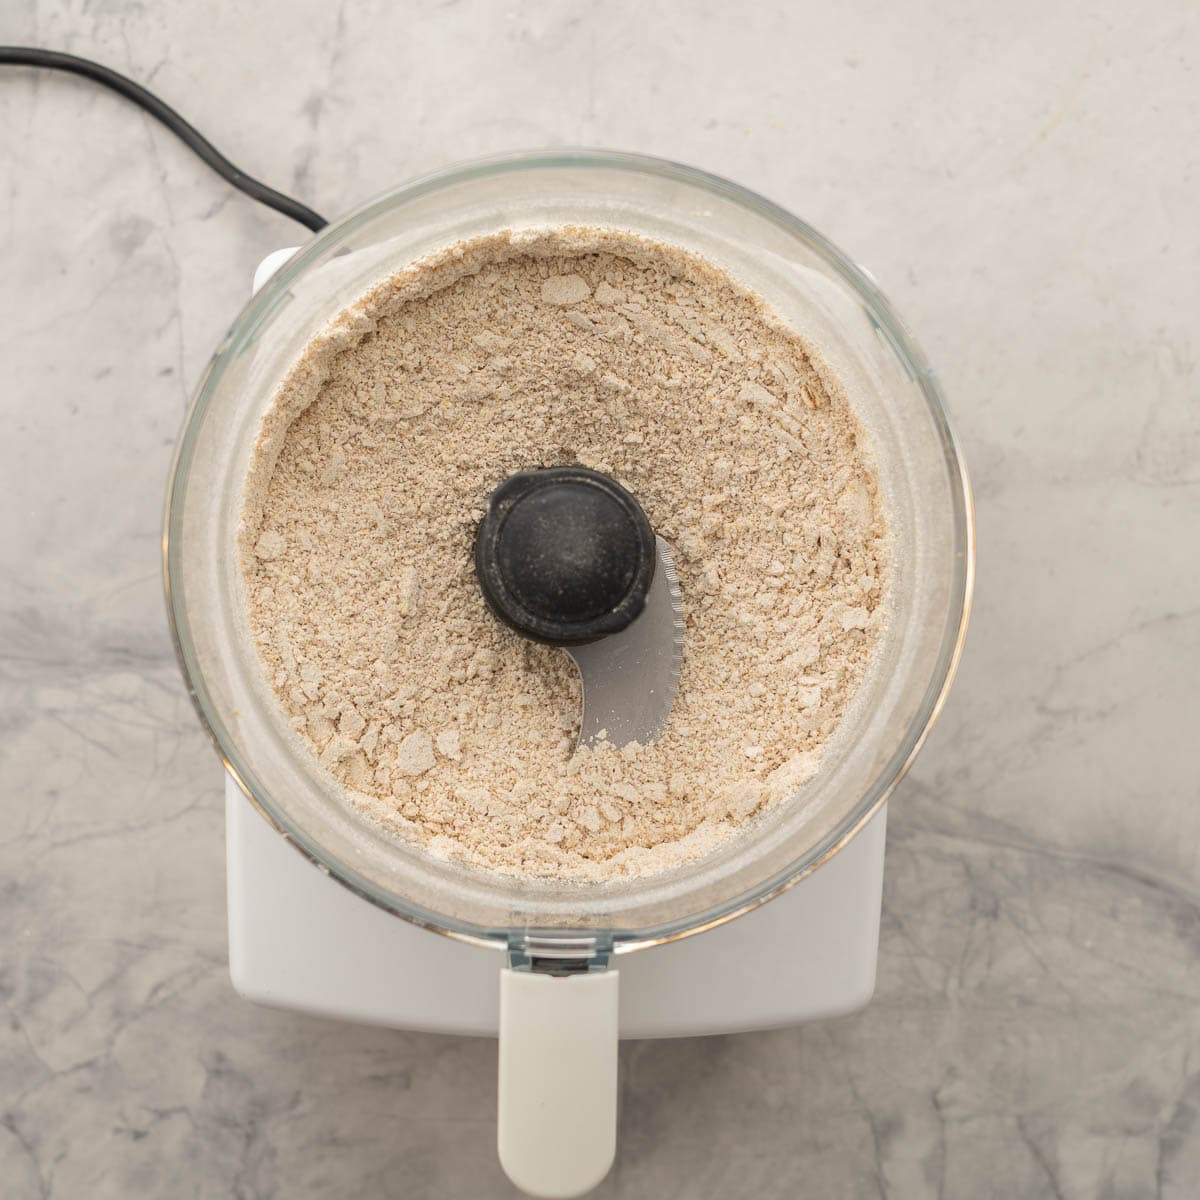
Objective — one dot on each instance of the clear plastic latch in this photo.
(559, 954)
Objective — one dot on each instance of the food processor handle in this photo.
(557, 1112)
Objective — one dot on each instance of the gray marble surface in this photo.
(1025, 182)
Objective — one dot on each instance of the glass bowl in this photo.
(811, 285)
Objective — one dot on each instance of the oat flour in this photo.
(512, 351)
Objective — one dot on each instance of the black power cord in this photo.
(33, 56)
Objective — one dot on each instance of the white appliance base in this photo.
(299, 940)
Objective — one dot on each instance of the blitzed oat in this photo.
(541, 348)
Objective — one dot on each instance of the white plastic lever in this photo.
(557, 1119)
(271, 264)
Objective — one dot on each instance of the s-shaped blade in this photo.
(629, 678)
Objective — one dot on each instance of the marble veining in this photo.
(1024, 185)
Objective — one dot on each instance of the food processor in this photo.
(551, 993)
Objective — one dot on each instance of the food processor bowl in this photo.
(570, 926)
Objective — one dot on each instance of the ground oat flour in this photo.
(576, 345)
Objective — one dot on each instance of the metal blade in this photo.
(629, 679)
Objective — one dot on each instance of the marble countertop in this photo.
(1025, 187)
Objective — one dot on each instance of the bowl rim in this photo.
(902, 343)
